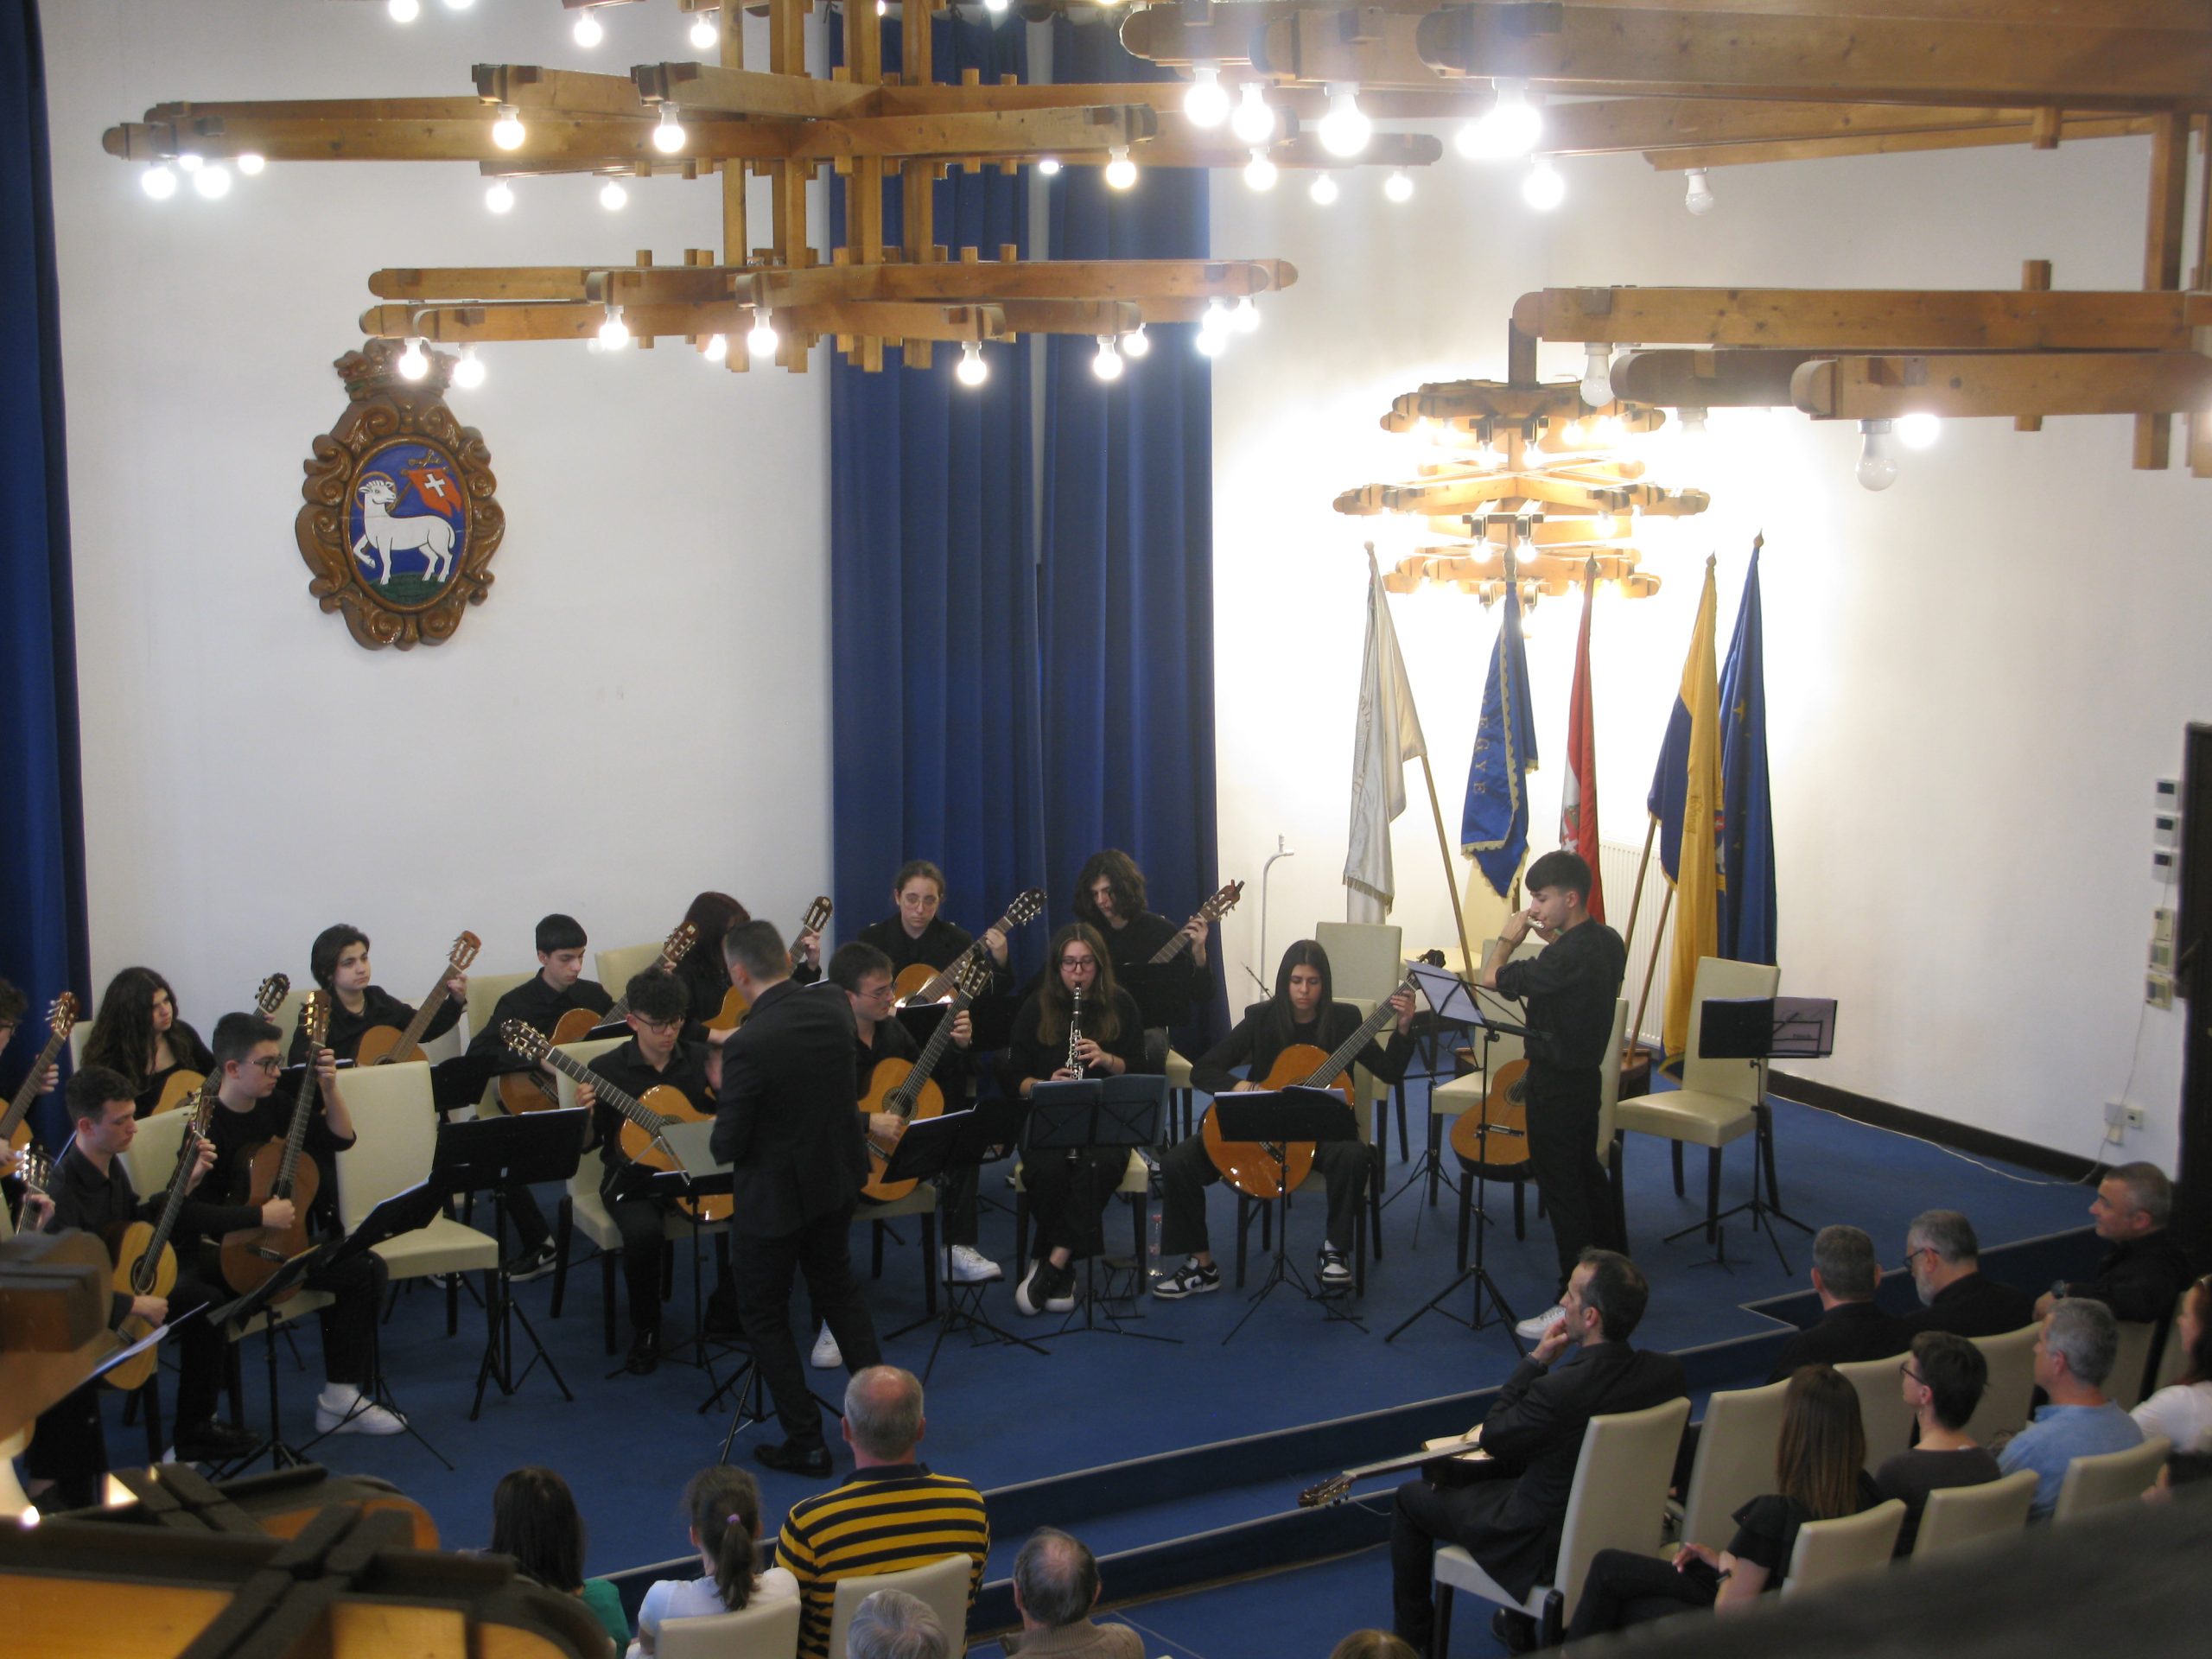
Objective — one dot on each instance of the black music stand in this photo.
(696, 1175)
(406, 1211)
(1273, 1116)
(488, 1154)
(236, 1316)
(929, 1148)
(1079, 1115)
(1452, 1007)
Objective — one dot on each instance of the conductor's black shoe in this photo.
(212, 1442)
(644, 1354)
(794, 1460)
(1516, 1630)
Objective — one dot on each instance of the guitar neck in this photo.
(412, 1036)
(632, 1108)
(20, 1105)
(1174, 947)
(910, 1088)
(302, 1109)
(1340, 1484)
(187, 1156)
(1348, 1050)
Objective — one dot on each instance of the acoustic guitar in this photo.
(736, 1004)
(145, 1263)
(1493, 1138)
(642, 1119)
(903, 1088)
(919, 982)
(1210, 912)
(15, 1123)
(531, 1090)
(382, 1046)
(1260, 1169)
(279, 1169)
(182, 1087)
(1337, 1488)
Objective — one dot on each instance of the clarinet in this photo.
(1075, 1032)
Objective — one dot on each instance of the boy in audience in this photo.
(1943, 1377)
(2074, 1356)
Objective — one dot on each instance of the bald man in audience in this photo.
(1845, 1275)
(2144, 1272)
(1944, 1259)
(1055, 1587)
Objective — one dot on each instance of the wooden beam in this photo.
(1743, 377)
(712, 90)
(2035, 278)
(2075, 129)
(1008, 132)
(1002, 282)
(1606, 125)
(528, 86)
(1996, 384)
(2154, 433)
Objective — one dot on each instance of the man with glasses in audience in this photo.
(1942, 1379)
(1944, 1258)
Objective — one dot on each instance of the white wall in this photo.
(1973, 679)
(586, 741)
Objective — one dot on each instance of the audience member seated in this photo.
(1510, 1518)
(2144, 1272)
(892, 1514)
(891, 1625)
(1372, 1644)
(1055, 1587)
(2074, 1356)
(534, 1519)
(1944, 1377)
(2181, 1411)
(722, 1505)
(1820, 1475)
(1945, 1260)
(1851, 1327)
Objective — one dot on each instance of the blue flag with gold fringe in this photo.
(1747, 904)
(1494, 828)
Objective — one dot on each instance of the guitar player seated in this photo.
(1301, 1012)
(339, 959)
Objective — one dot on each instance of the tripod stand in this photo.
(235, 1317)
(403, 1212)
(1274, 1118)
(1082, 1115)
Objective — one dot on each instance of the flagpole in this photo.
(1450, 875)
(1650, 833)
(1644, 998)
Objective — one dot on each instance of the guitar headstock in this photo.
(971, 978)
(464, 951)
(818, 915)
(526, 1040)
(1024, 908)
(678, 944)
(1432, 956)
(1332, 1490)
(37, 1170)
(1222, 902)
(62, 1016)
(270, 997)
(315, 1019)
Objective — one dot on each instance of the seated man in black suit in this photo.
(1510, 1520)
(1851, 1327)
(2144, 1272)
(1945, 1260)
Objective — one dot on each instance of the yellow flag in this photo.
(1697, 881)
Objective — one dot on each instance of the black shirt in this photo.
(2141, 1279)
(1031, 1056)
(237, 1134)
(1974, 1306)
(1570, 988)
(378, 1007)
(626, 1068)
(85, 1200)
(1911, 1476)
(1846, 1332)
(1255, 1044)
(892, 1041)
(538, 1006)
(187, 1053)
(1163, 993)
(1766, 1528)
(940, 945)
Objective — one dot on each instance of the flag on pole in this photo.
(1578, 802)
(1747, 907)
(1388, 736)
(1494, 828)
(1696, 874)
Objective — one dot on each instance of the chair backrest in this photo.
(2105, 1479)
(1721, 980)
(2012, 1385)
(1849, 1546)
(1609, 1082)
(1882, 1409)
(1618, 1500)
(1363, 958)
(2173, 1358)
(614, 966)
(396, 1131)
(1735, 1460)
(942, 1583)
(2131, 1361)
(78, 1033)
(766, 1629)
(287, 1017)
(152, 1158)
(588, 1171)
(484, 991)
(1964, 1515)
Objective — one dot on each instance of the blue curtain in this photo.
(1128, 556)
(42, 937)
(933, 625)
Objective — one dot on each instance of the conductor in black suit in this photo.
(787, 1121)
(1510, 1520)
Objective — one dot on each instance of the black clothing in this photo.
(537, 1006)
(1164, 993)
(820, 1251)
(955, 1188)
(2139, 1280)
(1766, 1529)
(1846, 1332)
(186, 1052)
(941, 943)
(1056, 1184)
(1510, 1521)
(378, 1007)
(891, 1041)
(1911, 1476)
(1976, 1306)
(641, 1220)
(1255, 1043)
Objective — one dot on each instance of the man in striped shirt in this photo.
(893, 1514)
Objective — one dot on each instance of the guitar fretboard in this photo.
(1348, 1050)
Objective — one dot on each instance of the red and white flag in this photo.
(1577, 805)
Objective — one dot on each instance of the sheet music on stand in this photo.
(1768, 1028)
(1449, 997)
(159, 1334)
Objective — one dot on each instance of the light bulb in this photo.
(1322, 191)
(994, 6)
(212, 181)
(468, 373)
(1524, 546)
(1048, 165)
(252, 163)
(704, 36)
(500, 198)
(1245, 319)
(1543, 189)
(1260, 172)
(158, 182)
(1693, 420)
(1697, 197)
(1398, 186)
(1137, 345)
(973, 370)
(1216, 320)
(1511, 124)
(1206, 102)
(1919, 430)
(1346, 128)
(403, 11)
(883, 8)
(1212, 342)
(1121, 171)
(1878, 460)
(1107, 366)
(667, 134)
(1608, 429)
(1473, 141)
(1597, 375)
(508, 131)
(613, 333)
(762, 340)
(612, 196)
(414, 362)
(1255, 120)
(587, 31)
(188, 162)
(717, 348)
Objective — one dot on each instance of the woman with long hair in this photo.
(1819, 1474)
(721, 1506)
(2181, 1411)
(534, 1519)
(139, 1033)
(701, 969)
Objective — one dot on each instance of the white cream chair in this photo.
(1734, 1462)
(943, 1584)
(1849, 1546)
(1882, 1410)
(614, 967)
(2131, 1361)
(2109, 1479)
(2173, 1358)
(1959, 1516)
(484, 991)
(766, 1629)
(2006, 1397)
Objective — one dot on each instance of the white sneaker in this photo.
(825, 1357)
(966, 1265)
(341, 1409)
(1537, 1326)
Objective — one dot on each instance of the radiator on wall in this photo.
(1647, 950)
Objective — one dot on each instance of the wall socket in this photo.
(2120, 1117)
(2158, 990)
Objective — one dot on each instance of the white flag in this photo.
(1389, 735)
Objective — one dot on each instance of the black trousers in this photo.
(1186, 1172)
(1624, 1588)
(349, 1325)
(765, 1268)
(1068, 1197)
(642, 1222)
(1563, 1150)
(200, 1348)
(1422, 1516)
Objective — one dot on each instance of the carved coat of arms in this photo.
(400, 523)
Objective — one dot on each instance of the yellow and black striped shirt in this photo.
(883, 1520)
